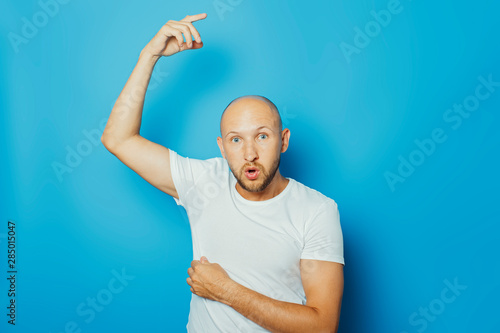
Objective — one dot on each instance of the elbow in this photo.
(104, 141)
(113, 143)
(108, 142)
(329, 324)
(333, 327)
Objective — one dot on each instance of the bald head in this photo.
(252, 102)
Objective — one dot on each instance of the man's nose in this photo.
(250, 152)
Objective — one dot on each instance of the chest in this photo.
(246, 242)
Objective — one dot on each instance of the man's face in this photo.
(251, 143)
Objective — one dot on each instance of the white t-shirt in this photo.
(258, 243)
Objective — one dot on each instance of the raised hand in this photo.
(169, 40)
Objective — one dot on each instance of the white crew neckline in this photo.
(238, 196)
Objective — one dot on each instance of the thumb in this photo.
(195, 46)
(203, 259)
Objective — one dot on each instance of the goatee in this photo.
(253, 186)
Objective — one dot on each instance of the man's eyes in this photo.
(260, 136)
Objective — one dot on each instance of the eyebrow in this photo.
(261, 127)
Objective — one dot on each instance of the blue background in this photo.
(352, 120)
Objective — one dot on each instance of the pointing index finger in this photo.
(193, 18)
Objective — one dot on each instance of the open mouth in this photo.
(252, 172)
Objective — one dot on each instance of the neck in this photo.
(277, 185)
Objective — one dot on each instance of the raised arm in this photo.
(121, 135)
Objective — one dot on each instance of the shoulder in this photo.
(194, 176)
(194, 170)
(216, 163)
(313, 198)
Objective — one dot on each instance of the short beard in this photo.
(268, 177)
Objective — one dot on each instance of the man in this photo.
(270, 248)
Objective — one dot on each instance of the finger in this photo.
(188, 280)
(196, 46)
(185, 30)
(193, 31)
(194, 263)
(194, 18)
(169, 30)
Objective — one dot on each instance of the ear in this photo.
(221, 147)
(285, 137)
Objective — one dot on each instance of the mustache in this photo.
(255, 165)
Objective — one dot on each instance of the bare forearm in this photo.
(273, 315)
(125, 118)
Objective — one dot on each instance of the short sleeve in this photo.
(323, 238)
(190, 176)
